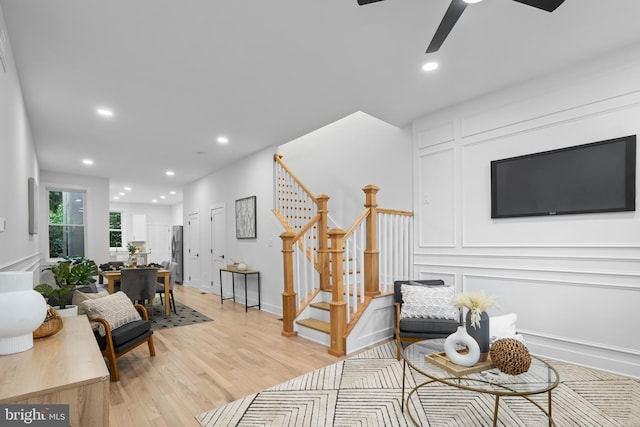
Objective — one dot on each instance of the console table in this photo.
(65, 368)
(245, 273)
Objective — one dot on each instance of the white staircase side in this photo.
(375, 325)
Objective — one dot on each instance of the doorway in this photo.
(218, 245)
(193, 252)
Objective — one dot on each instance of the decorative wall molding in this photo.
(524, 281)
(586, 258)
(28, 263)
(559, 339)
(435, 135)
(630, 275)
(435, 193)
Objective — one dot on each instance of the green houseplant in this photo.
(69, 274)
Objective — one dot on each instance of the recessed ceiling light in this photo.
(170, 173)
(104, 112)
(173, 193)
(163, 197)
(154, 201)
(87, 161)
(127, 188)
(116, 198)
(121, 194)
(430, 66)
(223, 139)
(472, 1)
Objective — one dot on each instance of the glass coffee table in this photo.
(540, 378)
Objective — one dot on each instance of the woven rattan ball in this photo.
(510, 356)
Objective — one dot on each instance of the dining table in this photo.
(112, 275)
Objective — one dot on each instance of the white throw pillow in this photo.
(431, 302)
(80, 297)
(503, 326)
(117, 309)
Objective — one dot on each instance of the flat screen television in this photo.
(588, 178)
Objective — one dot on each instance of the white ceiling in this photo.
(178, 73)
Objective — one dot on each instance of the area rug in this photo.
(366, 390)
(186, 316)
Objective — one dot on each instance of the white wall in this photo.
(572, 279)
(251, 176)
(345, 156)
(18, 162)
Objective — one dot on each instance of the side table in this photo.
(244, 273)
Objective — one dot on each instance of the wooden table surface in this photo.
(65, 368)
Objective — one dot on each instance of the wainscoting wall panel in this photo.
(436, 202)
(573, 280)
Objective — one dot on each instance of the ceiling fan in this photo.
(455, 10)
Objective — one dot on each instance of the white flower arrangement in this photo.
(476, 303)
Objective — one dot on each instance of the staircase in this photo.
(338, 284)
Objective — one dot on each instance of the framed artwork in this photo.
(33, 205)
(246, 218)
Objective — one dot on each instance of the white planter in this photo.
(69, 311)
(23, 311)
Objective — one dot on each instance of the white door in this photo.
(159, 243)
(193, 252)
(218, 245)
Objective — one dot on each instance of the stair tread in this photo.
(321, 305)
(316, 324)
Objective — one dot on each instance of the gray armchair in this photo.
(418, 329)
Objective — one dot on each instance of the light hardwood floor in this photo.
(202, 366)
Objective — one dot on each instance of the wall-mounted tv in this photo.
(588, 178)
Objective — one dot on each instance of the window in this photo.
(115, 229)
(66, 223)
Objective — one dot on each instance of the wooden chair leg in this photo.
(399, 347)
(152, 348)
(113, 365)
(173, 301)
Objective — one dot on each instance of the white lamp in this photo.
(23, 311)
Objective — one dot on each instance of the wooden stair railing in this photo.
(356, 266)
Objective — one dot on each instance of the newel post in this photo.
(289, 295)
(371, 253)
(323, 242)
(337, 307)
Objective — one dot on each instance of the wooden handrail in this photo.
(278, 159)
(355, 224)
(394, 212)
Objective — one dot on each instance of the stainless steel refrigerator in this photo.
(176, 252)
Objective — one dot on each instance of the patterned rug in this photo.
(366, 390)
(186, 316)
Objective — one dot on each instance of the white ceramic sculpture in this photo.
(461, 337)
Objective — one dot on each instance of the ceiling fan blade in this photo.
(548, 5)
(448, 21)
(363, 2)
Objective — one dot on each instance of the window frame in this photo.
(121, 229)
(66, 189)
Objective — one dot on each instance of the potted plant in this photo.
(69, 274)
(133, 251)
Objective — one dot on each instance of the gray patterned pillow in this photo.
(431, 302)
(117, 309)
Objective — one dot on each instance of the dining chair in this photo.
(172, 267)
(139, 284)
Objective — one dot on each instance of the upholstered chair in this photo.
(424, 311)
